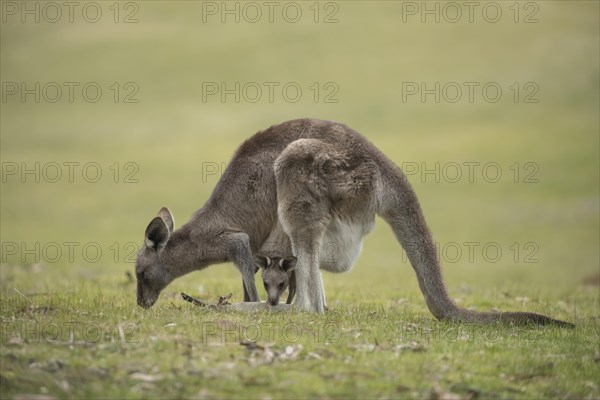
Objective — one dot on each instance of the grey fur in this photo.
(322, 183)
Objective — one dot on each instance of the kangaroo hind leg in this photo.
(304, 212)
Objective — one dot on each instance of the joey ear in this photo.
(288, 264)
(166, 215)
(261, 262)
(157, 234)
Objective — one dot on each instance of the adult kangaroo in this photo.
(323, 183)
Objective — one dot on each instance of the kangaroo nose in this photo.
(273, 302)
(145, 303)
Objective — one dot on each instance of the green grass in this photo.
(70, 326)
(68, 343)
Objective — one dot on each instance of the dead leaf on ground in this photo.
(50, 365)
(250, 345)
(33, 309)
(266, 354)
(368, 347)
(223, 300)
(320, 354)
(438, 393)
(140, 376)
(291, 352)
(412, 346)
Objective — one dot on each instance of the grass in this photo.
(90, 342)
(70, 326)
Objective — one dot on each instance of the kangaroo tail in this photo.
(401, 209)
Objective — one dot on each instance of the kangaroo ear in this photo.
(165, 215)
(261, 262)
(288, 264)
(157, 234)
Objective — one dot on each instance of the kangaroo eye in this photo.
(266, 285)
(281, 285)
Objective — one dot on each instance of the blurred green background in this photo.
(364, 58)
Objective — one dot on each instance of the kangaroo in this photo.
(324, 183)
(278, 275)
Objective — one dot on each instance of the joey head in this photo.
(277, 275)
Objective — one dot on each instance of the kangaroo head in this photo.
(151, 269)
(276, 272)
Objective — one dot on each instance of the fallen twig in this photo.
(224, 304)
(193, 300)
